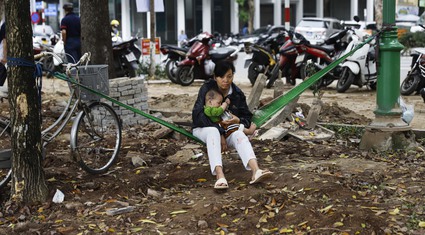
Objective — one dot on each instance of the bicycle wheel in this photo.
(5, 154)
(96, 138)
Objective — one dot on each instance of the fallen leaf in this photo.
(178, 212)
(289, 213)
(296, 175)
(263, 219)
(53, 179)
(396, 211)
(326, 209)
(236, 220)
(338, 224)
(147, 221)
(273, 202)
(266, 230)
(135, 230)
(285, 230)
(222, 225)
(422, 224)
(302, 223)
(201, 180)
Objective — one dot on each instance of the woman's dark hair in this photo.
(222, 67)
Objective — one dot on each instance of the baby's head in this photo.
(213, 98)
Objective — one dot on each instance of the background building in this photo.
(221, 16)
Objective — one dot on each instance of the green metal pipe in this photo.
(388, 85)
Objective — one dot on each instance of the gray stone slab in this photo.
(254, 97)
(274, 133)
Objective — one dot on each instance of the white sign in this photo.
(50, 12)
(143, 5)
(38, 5)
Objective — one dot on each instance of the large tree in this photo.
(96, 32)
(246, 13)
(28, 182)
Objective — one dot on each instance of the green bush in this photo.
(410, 40)
(144, 68)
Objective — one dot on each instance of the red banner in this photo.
(146, 45)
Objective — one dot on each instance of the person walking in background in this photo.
(3, 60)
(182, 38)
(245, 30)
(71, 33)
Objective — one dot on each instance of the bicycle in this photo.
(96, 129)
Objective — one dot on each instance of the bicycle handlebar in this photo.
(84, 58)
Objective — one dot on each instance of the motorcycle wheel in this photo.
(274, 75)
(306, 71)
(185, 75)
(170, 70)
(286, 72)
(373, 86)
(253, 73)
(409, 85)
(345, 81)
(130, 69)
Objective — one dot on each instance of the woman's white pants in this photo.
(238, 140)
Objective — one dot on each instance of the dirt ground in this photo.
(158, 187)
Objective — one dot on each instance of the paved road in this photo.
(241, 75)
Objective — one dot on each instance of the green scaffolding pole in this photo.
(261, 115)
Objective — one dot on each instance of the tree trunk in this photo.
(96, 33)
(378, 13)
(28, 182)
(251, 12)
(1, 9)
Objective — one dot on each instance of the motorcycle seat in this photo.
(221, 53)
(326, 48)
(177, 48)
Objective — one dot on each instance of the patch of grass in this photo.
(346, 131)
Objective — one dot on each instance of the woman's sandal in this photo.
(221, 184)
(260, 176)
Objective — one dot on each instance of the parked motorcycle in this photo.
(415, 79)
(46, 61)
(264, 58)
(359, 68)
(173, 55)
(200, 60)
(300, 59)
(126, 57)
